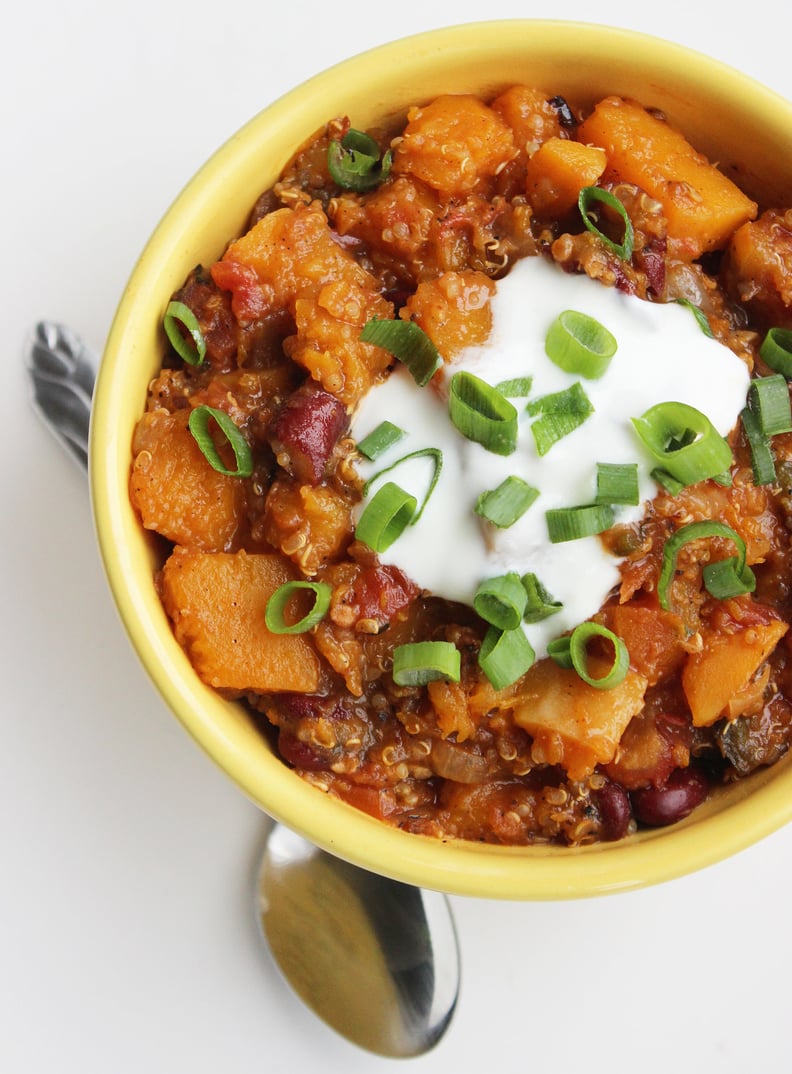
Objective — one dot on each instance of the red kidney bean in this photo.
(615, 811)
(307, 429)
(300, 754)
(684, 789)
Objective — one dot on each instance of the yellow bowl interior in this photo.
(735, 121)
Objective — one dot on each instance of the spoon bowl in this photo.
(376, 959)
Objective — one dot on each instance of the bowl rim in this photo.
(759, 806)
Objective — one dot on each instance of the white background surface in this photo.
(127, 936)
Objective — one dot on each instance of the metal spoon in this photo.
(376, 959)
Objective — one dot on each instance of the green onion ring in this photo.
(587, 200)
(406, 341)
(539, 604)
(573, 523)
(579, 344)
(501, 601)
(617, 482)
(198, 423)
(354, 162)
(420, 662)
(482, 414)
(433, 453)
(504, 505)
(776, 351)
(695, 531)
(385, 517)
(276, 606)
(683, 441)
(571, 651)
(379, 440)
(505, 656)
(178, 316)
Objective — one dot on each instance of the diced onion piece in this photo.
(420, 662)
(539, 604)
(683, 442)
(501, 601)
(406, 341)
(617, 482)
(572, 523)
(776, 351)
(505, 656)
(571, 651)
(198, 423)
(274, 614)
(385, 517)
(380, 439)
(579, 344)
(587, 201)
(744, 580)
(560, 413)
(178, 316)
(504, 505)
(482, 414)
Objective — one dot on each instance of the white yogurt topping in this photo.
(662, 356)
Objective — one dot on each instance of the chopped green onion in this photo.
(669, 483)
(505, 656)
(385, 517)
(380, 439)
(699, 314)
(501, 601)
(433, 453)
(762, 461)
(617, 482)
(579, 344)
(482, 414)
(406, 341)
(571, 651)
(178, 316)
(768, 398)
(199, 427)
(740, 574)
(587, 200)
(502, 506)
(560, 414)
(539, 604)
(420, 662)
(683, 441)
(776, 351)
(354, 161)
(516, 388)
(274, 614)
(572, 523)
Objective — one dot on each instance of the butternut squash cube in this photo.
(558, 171)
(175, 490)
(216, 603)
(725, 666)
(576, 725)
(454, 144)
(454, 310)
(703, 207)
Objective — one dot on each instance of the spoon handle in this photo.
(62, 372)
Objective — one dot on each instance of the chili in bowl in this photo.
(441, 460)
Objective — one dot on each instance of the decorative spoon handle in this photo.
(62, 373)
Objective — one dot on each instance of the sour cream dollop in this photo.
(662, 355)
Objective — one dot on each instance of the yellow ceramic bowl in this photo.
(735, 121)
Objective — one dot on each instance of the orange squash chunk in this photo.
(529, 114)
(175, 490)
(216, 603)
(703, 207)
(454, 310)
(759, 267)
(725, 666)
(558, 171)
(574, 724)
(454, 144)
